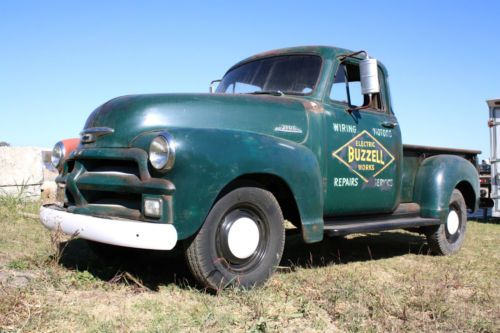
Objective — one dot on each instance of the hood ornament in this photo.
(91, 134)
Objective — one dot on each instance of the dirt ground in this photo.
(369, 283)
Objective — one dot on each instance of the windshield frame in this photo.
(259, 58)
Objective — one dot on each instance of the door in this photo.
(364, 147)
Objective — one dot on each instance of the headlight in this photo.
(58, 153)
(162, 152)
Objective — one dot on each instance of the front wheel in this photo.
(241, 241)
(447, 238)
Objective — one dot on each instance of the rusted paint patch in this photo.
(288, 50)
(279, 52)
(313, 107)
(283, 100)
(270, 53)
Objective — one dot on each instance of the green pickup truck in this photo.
(305, 134)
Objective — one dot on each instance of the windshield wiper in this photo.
(268, 92)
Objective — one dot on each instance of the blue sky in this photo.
(59, 60)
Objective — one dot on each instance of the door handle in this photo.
(389, 124)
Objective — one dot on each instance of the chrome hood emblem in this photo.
(91, 134)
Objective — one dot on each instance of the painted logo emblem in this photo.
(364, 155)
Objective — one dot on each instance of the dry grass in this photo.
(368, 283)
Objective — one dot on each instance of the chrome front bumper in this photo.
(127, 233)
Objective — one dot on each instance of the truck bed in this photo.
(469, 154)
(413, 155)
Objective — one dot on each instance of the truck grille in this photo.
(103, 197)
(112, 166)
(111, 182)
(125, 200)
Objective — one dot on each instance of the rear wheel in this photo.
(447, 238)
(241, 241)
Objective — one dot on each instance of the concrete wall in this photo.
(22, 172)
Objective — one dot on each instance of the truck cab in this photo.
(304, 134)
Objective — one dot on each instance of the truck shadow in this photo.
(352, 248)
(153, 269)
(487, 220)
(140, 268)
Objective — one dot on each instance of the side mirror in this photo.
(368, 73)
(213, 86)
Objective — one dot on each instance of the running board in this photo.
(406, 216)
(342, 228)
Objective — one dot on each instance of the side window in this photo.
(350, 92)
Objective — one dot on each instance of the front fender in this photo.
(436, 178)
(209, 159)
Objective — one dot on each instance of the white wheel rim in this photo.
(452, 222)
(243, 237)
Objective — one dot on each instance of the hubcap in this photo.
(452, 222)
(243, 237)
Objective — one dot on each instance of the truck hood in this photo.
(129, 116)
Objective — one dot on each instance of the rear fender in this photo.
(436, 178)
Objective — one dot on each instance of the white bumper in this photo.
(128, 233)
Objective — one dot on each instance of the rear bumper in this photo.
(127, 233)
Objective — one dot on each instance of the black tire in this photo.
(441, 240)
(209, 255)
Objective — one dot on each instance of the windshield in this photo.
(289, 74)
